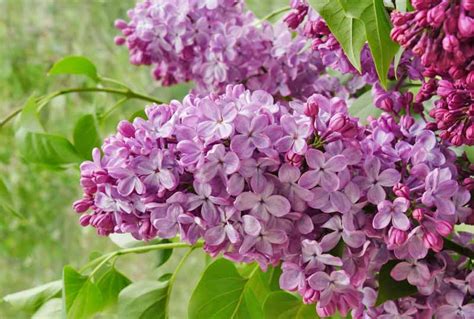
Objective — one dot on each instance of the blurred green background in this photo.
(33, 35)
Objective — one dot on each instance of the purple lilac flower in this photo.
(380, 192)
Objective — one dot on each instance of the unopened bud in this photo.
(418, 214)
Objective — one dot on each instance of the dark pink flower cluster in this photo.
(441, 33)
(299, 183)
(219, 44)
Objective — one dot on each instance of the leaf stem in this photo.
(100, 261)
(273, 14)
(451, 245)
(10, 116)
(129, 94)
(107, 113)
(173, 278)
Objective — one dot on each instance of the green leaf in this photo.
(110, 285)
(464, 228)
(362, 108)
(75, 65)
(163, 255)
(377, 29)
(52, 309)
(469, 153)
(396, 60)
(389, 288)
(43, 148)
(39, 147)
(86, 135)
(348, 31)
(143, 300)
(31, 299)
(223, 292)
(282, 305)
(81, 296)
(139, 113)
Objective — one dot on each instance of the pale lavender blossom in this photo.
(393, 212)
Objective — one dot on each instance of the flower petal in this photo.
(381, 220)
(246, 201)
(319, 281)
(376, 194)
(336, 163)
(277, 205)
(251, 225)
(401, 271)
(389, 177)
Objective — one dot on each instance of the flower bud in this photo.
(418, 214)
(421, 4)
(450, 43)
(311, 108)
(119, 40)
(433, 241)
(401, 190)
(470, 132)
(443, 228)
(82, 205)
(386, 105)
(126, 129)
(470, 80)
(407, 121)
(396, 236)
(337, 122)
(120, 24)
(294, 159)
(467, 5)
(436, 16)
(468, 182)
(84, 220)
(466, 26)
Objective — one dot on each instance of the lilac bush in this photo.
(329, 161)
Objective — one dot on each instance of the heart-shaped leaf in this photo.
(349, 32)
(86, 135)
(75, 65)
(377, 29)
(363, 107)
(81, 296)
(143, 300)
(48, 149)
(223, 292)
(282, 305)
(111, 284)
(31, 299)
(52, 309)
(389, 288)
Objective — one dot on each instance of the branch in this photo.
(129, 94)
(100, 261)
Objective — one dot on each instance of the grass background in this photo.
(33, 35)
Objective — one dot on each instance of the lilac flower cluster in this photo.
(302, 184)
(309, 24)
(216, 43)
(441, 33)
